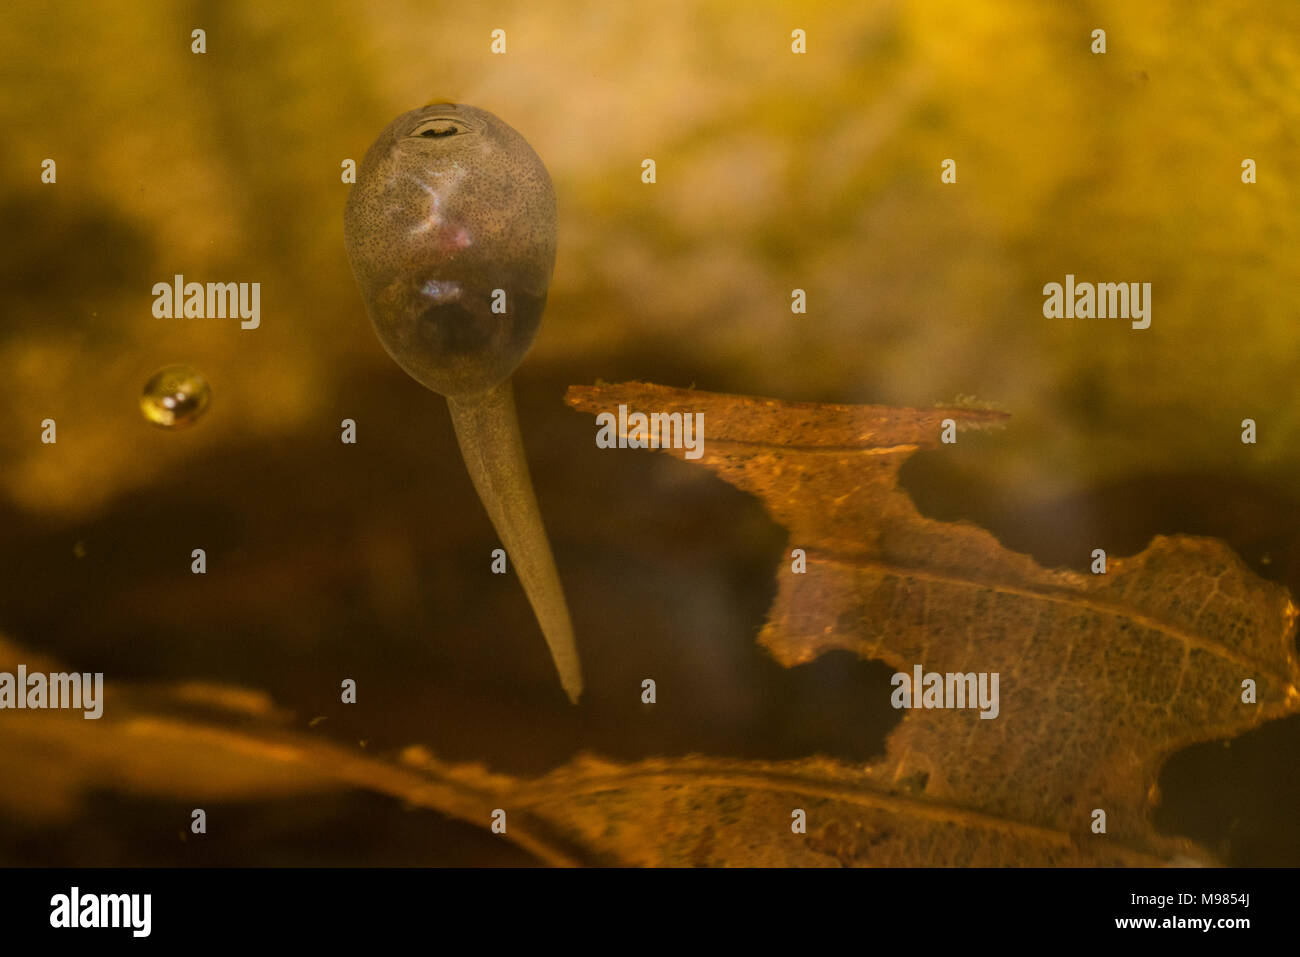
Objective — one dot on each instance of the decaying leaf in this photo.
(183, 740)
(1101, 678)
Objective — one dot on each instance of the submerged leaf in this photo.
(1101, 678)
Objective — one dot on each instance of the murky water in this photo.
(370, 560)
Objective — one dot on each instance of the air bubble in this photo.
(175, 397)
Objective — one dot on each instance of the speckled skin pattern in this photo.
(450, 203)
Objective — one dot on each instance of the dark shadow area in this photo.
(362, 828)
(1238, 797)
(86, 252)
(1255, 519)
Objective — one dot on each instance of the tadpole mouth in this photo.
(441, 126)
(435, 132)
(441, 121)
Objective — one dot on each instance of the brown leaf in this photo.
(185, 740)
(1102, 677)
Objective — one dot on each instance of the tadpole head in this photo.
(450, 229)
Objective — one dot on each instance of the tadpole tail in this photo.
(487, 428)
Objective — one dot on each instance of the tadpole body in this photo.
(450, 230)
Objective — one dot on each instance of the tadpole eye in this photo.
(437, 129)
